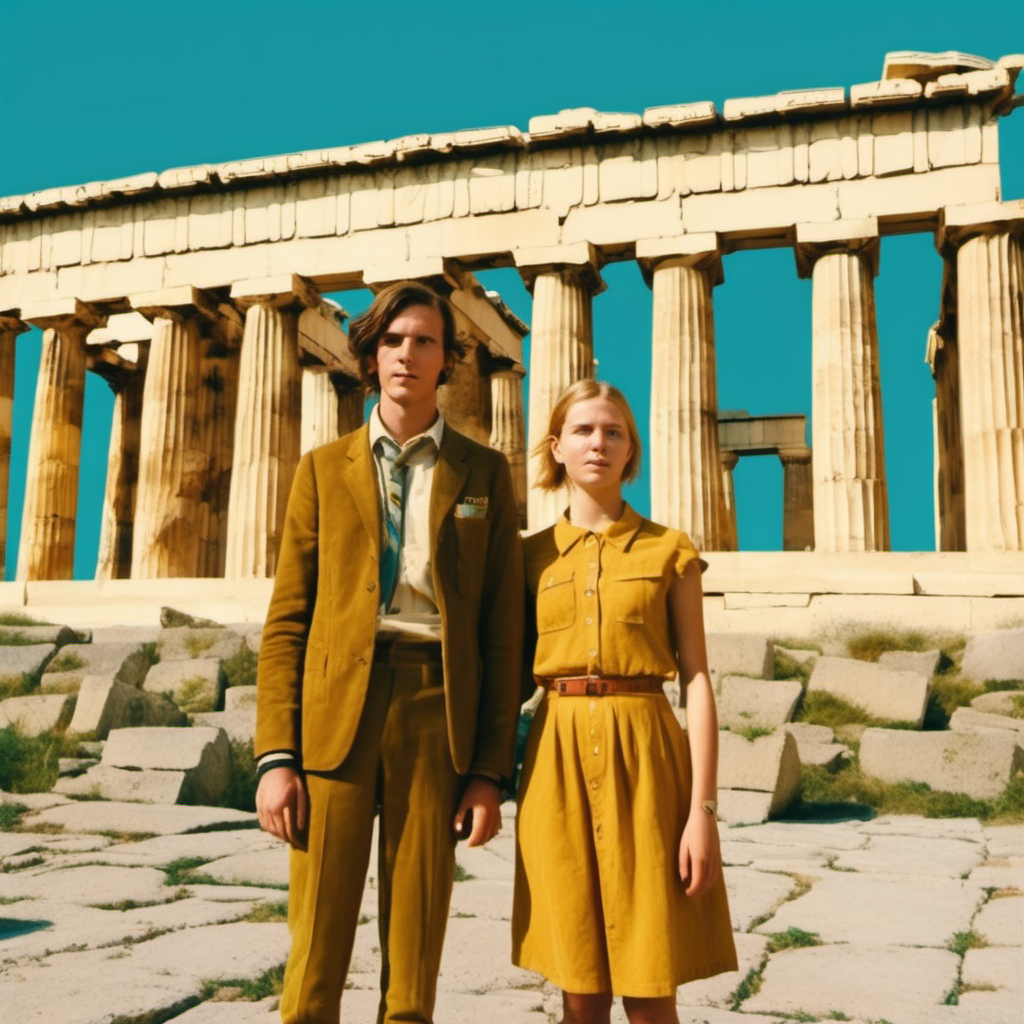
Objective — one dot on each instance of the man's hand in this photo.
(281, 804)
(479, 813)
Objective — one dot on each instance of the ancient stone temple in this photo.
(198, 294)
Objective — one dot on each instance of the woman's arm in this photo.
(700, 857)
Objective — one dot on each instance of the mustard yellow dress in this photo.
(605, 791)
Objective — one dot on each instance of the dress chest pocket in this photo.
(631, 596)
(556, 602)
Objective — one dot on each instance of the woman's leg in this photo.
(655, 1010)
(586, 1008)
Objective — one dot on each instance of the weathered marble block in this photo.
(882, 692)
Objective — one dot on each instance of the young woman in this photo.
(619, 887)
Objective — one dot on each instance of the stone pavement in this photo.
(125, 912)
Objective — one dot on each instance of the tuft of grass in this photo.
(10, 816)
(269, 983)
(17, 685)
(1017, 706)
(268, 912)
(960, 942)
(749, 986)
(819, 708)
(182, 871)
(240, 668)
(785, 667)
(868, 644)
(753, 732)
(462, 875)
(1000, 685)
(193, 695)
(792, 938)
(947, 694)
(199, 642)
(12, 638)
(21, 619)
(67, 662)
(241, 789)
(28, 764)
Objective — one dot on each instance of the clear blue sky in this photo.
(106, 89)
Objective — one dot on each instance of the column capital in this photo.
(729, 458)
(176, 304)
(64, 315)
(794, 455)
(701, 251)
(577, 259)
(957, 224)
(853, 237)
(281, 292)
(10, 321)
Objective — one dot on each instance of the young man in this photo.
(389, 669)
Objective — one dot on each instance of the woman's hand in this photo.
(700, 854)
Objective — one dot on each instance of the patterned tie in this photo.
(395, 472)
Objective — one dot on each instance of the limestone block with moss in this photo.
(1001, 702)
(884, 693)
(193, 684)
(745, 703)
(744, 654)
(59, 635)
(768, 765)
(926, 663)
(239, 723)
(970, 720)
(816, 744)
(146, 786)
(20, 666)
(995, 656)
(128, 663)
(186, 643)
(35, 714)
(105, 704)
(978, 763)
(203, 754)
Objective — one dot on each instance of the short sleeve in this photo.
(686, 553)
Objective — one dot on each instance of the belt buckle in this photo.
(592, 686)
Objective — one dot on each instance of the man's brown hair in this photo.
(369, 327)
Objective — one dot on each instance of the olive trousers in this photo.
(400, 767)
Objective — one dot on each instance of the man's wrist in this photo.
(276, 759)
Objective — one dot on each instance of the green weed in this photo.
(12, 638)
(1000, 685)
(269, 983)
(268, 912)
(17, 686)
(183, 872)
(791, 938)
(28, 764)
(749, 986)
(10, 816)
(67, 662)
(963, 941)
(786, 667)
(462, 875)
(21, 619)
(240, 668)
(241, 789)
(199, 642)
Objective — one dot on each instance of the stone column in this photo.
(114, 560)
(850, 498)
(950, 527)
(174, 454)
(465, 399)
(797, 501)
(731, 539)
(10, 328)
(561, 352)
(47, 548)
(686, 467)
(508, 428)
(319, 408)
(989, 244)
(267, 423)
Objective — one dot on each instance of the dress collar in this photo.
(620, 533)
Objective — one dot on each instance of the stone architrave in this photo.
(10, 328)
(990, 340)
(508, 427)
(686, 468)
(114, 560)
(850, 498)
(47, 549)
(173, 461)
(267, 422)
(797, 501)
(562, 349)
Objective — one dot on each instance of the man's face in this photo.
(411, 356)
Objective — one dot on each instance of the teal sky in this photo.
(108, 89)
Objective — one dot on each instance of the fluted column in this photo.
(850, 498)
(942, 357)
(561, 353)
(47, 548)
(267, 432)
(686, 467)
(114, 559)
(508, 428)
(319, 408)
(990, 339)
(10, 328)
(729, 460)
(797, 501)
(173, 459)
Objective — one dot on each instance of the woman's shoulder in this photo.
(668, 543)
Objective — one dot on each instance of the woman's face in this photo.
(594, 444)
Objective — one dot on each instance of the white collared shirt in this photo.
(417, 615)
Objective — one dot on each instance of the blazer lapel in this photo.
(360, 476)
(450, 474)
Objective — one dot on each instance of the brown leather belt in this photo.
(600, 686)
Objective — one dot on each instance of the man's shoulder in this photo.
(344, 445)
(474, 450)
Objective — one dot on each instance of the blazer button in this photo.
(371, 587)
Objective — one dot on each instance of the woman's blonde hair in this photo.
(551, 474)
